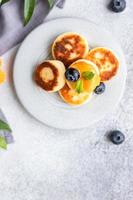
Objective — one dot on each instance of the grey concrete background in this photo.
(46, 163)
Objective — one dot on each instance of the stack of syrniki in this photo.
(76, 71)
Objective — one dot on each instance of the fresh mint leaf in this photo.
(88, 75)
(4, 126)
(29, 6)
(3, 143)
(51, 3)
(79, 86)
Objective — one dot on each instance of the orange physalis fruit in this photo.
(2, 76)
(2, 73)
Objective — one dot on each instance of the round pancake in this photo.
(69, 47)
(73, 98)
(49, 75)
(82, 66)
(106, 61)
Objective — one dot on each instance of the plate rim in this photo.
(94, 120)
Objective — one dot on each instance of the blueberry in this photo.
(117, 5)
(72, 74)
(100, 88)
(117, 137)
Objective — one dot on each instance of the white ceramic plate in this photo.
(49, 108)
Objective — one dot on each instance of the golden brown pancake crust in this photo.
(68, 96)
(48, 86)
(107, 56)
(67, 46)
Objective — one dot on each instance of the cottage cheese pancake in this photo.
(71, 97)
(106, 60)
(84, 66)
(69, 47)
(50, 75)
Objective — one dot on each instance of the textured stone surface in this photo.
(46, 163)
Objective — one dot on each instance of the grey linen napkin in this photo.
(12, 30)
(6, 134)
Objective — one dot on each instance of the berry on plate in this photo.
(72, 74)
(117, 5)
(100, 88)
(117, 137)
(89, 75)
